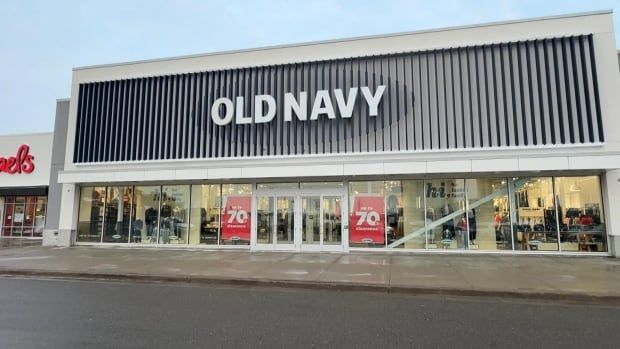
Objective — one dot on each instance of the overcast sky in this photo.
(40, 41)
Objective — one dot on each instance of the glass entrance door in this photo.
(285, 220)
(276, 223)
(299, 218)
(311, 220)
(299, 221)
(321, 226)
(332, 220)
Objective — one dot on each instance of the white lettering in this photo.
(261, 116)
(239, 118)
(371, 218)
(224, 110)
(322, 105)
(373, 101)
(346, 108)
(291, 105)
(215, 111)
(240, 216)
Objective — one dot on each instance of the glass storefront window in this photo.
(145, 227)
(118, 211)
(25, 216)
(488, 214)
(393, 211)
(19, 215)
(1, 215)
(40, 212)
(174, 214)
(205, 214)
(476, 213)
(28, 220)
(580, 211)
(446, 218)
(235, 226)
(535, 224)
(90, 218)
(367, 214)
(405, 214)
(8, 215)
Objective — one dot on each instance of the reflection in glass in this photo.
(393, 211)
(39, 219)
(535, 225)
(117, 214)
(29, 208)
(1, 215)
(446, 219)
(205, 217)
(580, 208)
(489, 214)
(25, 216)
(90, 217)
(264, 219)
(405, 214)
(285, 217)
(311, 220)
(174, 214)
(145, 227)
(18, 216)
(8, 216)
(236, 189)
(332, 220)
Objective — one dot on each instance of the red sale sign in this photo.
(236, 217)
(367, 220)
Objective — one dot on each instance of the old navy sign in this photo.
(224, 111)
(22, 162)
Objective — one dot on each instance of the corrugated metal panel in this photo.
(539, 92)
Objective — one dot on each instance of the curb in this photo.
(340, 286)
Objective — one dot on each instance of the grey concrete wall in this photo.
(58, 158)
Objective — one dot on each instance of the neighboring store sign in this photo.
(22, 162)
(223, 110)
(367, 222)
(236, 218)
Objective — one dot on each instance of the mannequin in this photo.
(150, 219)
(472, 226)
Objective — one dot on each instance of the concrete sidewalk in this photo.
(546, 277)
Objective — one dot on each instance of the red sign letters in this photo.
(21, 163)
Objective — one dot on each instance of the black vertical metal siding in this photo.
(529, 93)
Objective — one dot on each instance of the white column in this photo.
(611, 192)
(68, 218)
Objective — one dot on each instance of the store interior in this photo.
(487, 214)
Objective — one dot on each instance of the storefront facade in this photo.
(24, 179)
(495, 138)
